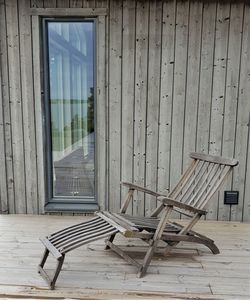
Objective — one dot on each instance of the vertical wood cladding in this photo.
(177, 80)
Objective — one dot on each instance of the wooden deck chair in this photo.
(190, 197)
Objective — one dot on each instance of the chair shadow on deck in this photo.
(189, 197)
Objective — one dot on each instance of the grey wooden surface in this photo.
(173, 78)
(188, 272)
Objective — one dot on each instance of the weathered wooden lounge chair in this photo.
(190, 196)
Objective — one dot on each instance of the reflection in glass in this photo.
(72, 107)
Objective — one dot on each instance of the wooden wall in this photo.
(177, 80)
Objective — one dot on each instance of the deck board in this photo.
(189, 271)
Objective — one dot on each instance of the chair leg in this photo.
(169, 247)
(211, 245)
(44, 258)
(44, 274)
(147, 260)
(58, 269)
(110, 239)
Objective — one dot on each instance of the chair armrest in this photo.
(132, 186)
(171, 202)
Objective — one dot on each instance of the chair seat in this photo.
(149, 223)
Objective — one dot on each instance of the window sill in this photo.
(71, 207)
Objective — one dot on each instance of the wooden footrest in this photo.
(67, 239)
(77, 235)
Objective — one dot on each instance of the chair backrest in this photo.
(202, 179)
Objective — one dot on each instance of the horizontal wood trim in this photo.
(68, 12)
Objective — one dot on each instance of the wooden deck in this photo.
(89, 272)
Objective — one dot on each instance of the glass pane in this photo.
(71, 68)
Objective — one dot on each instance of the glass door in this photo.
(70, 113)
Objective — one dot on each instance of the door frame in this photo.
(101, 109)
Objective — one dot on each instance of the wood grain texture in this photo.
(140, 107)
(242, 124)
(28, 108)
(16, 106)
(62, 3)
(172, 77)
(101, 122)
(36, 52)
(50, 3)
(231, 95)
(179, 90)
(3, 177)
(128, 93)
(206, 76)
(193, 73)
(37, 3)
(246, 206)
(203, 275)
(166, 94)
(6, 112)
(115, 59)
(218, 92)
(75, 3)
(154, 73)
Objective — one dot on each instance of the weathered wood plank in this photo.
(88, 3)
(75, 3)
(102, 3)
(28, 108)
(128, 94)
(246, 206)
(231, 96)
(62, 3)
(154, 73)
(219, 74)
(6, 110)
(206, 75)
(101, 121)
(200, 271)
(16, 103)
(115, 55)
(141, 85)
(3, 176)
(38, 113)
(243, 113)
(218, 92)
(193, 73)
(166, 94)
(49, 3)
(83, 12)
(36, 3)
(179, 90)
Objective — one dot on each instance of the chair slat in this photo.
(79, 236)
(218, 180)
(184, 179)
(74, 227)
(204, 185)
(194, 180)
(91, 238)
(78, 233)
